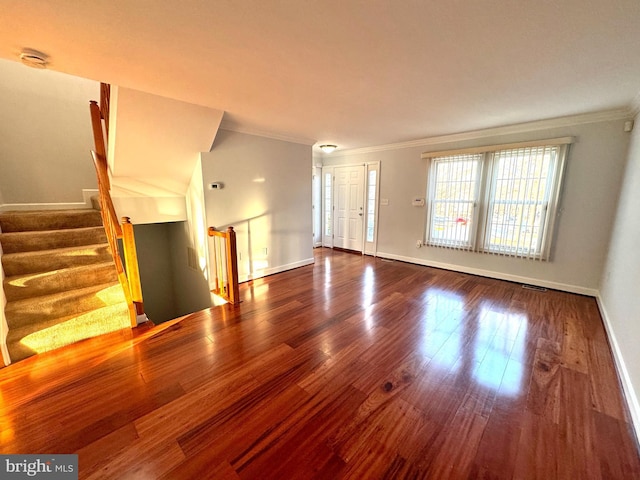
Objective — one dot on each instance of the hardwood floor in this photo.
(352, 368)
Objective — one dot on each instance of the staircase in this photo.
(60, 281)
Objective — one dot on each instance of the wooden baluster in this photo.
(232, 267)
(131, 263)
(225, 264)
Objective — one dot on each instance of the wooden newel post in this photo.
(232, 267)
(131, 263)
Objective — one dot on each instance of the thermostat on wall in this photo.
(417, 202)
(216, 186)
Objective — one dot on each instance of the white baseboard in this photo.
(278, 269)
(86, 203)
(623, 374)
(592, 292)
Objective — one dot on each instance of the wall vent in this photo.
(534, 287)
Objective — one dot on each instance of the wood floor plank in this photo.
(577, 427)
(297, 438)
(574, 346)
(616, 454)
(445, 459)
(604, 384)
(497, 451)
(538, 454)
(544, 390)
(351, 368)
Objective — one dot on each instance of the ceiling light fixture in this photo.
(328, 148)
(33, 58)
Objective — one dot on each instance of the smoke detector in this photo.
(33, 58)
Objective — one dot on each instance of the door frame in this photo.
(355, 206)
(316, 205)
(327, 207)
(369, 248)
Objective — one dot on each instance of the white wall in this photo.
(191, 285)
(594, 172)
(158, 140)
(620, 289)
(45, 135)
(266, 198)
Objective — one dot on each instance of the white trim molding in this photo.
(86, 203)
(494, 148)
(278, 269)
(623, 373)
(491, 274)
(231, 126)
(594, 117)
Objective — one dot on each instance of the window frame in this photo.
(486, 177)
(431, 190)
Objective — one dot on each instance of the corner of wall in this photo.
(621, 368)
(196, 218)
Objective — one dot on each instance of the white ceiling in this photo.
(352, 72)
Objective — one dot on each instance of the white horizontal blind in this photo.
(520, 191)
(453, 196)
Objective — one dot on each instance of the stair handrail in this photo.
(130, 278)
(225, 271)
(105, 101)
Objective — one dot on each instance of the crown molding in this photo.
(230, 126)
(593, 117)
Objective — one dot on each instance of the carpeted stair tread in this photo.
(21, 221)
(27, 341)
(34, 310)
(55, 259)
(44, 283)
(60, 280)
(14, 242)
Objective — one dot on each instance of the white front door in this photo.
(349, 207)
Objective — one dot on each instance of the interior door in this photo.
(349, 207)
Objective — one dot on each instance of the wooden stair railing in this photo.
(129, 278)
(225, 264)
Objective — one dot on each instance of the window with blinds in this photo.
(501, 199)
(454, 197)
